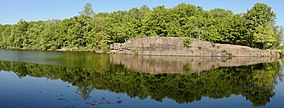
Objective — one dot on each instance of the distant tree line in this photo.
(91, 31)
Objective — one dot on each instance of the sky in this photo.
(11, 11)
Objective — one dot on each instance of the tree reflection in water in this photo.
(255, 82)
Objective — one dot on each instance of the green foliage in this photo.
(186, 42)
(261, 17)
(87, 10)
(94, 32)
(199, 47)
(264, 37)
(227, 53)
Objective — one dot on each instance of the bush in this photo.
(186, 42)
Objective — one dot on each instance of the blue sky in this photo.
(11, 11)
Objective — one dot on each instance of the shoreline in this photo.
(131, 53)
(173, 46)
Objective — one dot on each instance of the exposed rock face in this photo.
(177, 64)
(196, 48)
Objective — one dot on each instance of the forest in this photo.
(90, 31)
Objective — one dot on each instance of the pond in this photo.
(46, 79)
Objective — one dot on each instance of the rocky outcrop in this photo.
(196, 48)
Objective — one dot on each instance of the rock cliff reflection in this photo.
(248, 77)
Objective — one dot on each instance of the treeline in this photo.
(91, 31)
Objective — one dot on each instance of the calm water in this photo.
(38, 79)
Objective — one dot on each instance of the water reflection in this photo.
(254, 82)
(178, 64)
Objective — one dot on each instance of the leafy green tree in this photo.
(280, 32)
(19, 34)
(259, 15)
(87, 10)
(265, 37)
(94, 32)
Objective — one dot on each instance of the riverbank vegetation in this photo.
(92, 31)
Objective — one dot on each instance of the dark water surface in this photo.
(41, 79)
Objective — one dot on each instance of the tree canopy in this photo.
(90, 31)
